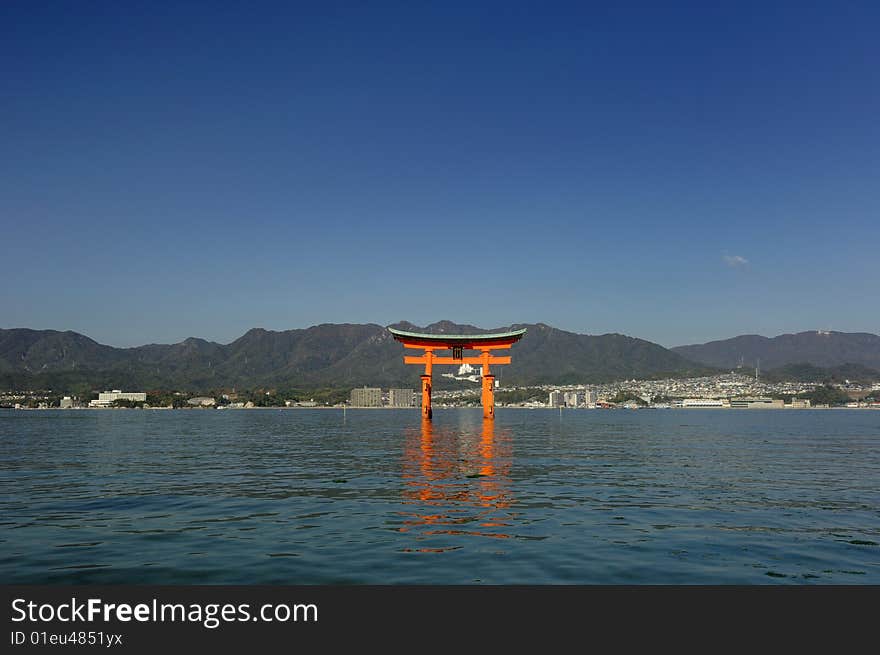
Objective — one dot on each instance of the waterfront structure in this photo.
(557, 398)
(756, 403)
(401, 398)
(66, 403)
(702, 403)
(366, 397)
(201, 401)
(798, 403)
(458, 343)
(107, 398)
(590, 397)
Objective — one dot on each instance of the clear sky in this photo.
(679, 172)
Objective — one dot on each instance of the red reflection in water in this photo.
(457, 478)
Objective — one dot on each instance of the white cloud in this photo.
(736, 261)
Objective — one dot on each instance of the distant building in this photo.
(556, 399)
(590, 397)
(401, 398)
(798, 403)
(66, 403)
(756, 403)
(366, 397)
(201, 401)
(466, 372)
(572, 399)
(107, 398)
(702, 403)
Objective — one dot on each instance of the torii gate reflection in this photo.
(458, 482)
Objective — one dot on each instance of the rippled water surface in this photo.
(375, 496)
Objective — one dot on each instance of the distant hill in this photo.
(834, 374)
(819, 348)
(327, 355)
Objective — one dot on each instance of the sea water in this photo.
(380, 497)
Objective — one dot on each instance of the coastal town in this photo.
(733, 390)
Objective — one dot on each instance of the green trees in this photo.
(628, 396)
(130, 404)
(826, 395)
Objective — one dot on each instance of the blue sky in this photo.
(679, 173)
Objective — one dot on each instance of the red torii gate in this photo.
(458, 343)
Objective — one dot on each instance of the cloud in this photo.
(736, 261)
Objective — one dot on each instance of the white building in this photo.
(107, 398)
(757, 403)
(556, 399)
(201, 401)
(467, 373)
(702, 403)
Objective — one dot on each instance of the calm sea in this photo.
(375, 496)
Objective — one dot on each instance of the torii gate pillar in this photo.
(488, 396)
(426, 397)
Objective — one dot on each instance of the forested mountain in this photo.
(327, 355)
(819, 348)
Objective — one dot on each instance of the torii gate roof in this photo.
(452, 340)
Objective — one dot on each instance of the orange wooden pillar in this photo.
(427, 383)
(426, 396)
(488, 396)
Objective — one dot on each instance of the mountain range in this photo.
(347, 355)
(820, 348)
(327, 355)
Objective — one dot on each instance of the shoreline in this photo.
(436, 407)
